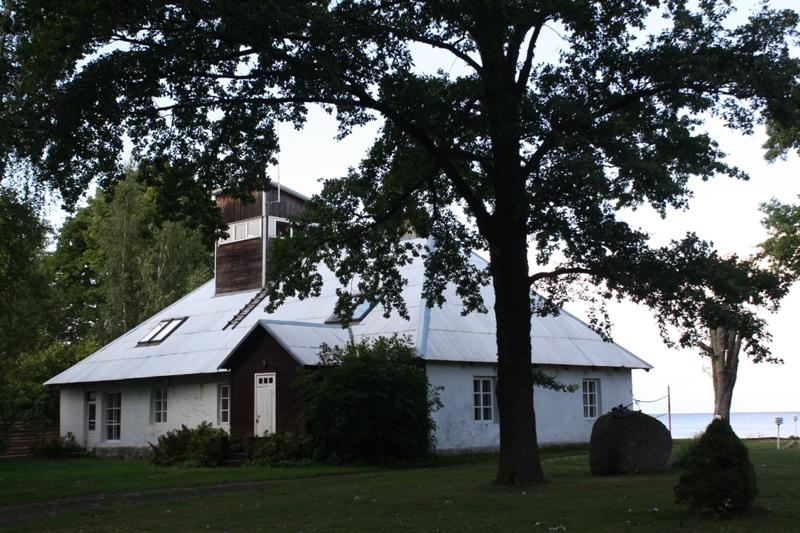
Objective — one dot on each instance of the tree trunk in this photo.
(724, 353)
(519, 452)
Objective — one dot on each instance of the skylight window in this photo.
(363, 307)
(163, 330)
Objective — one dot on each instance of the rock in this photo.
(628, 442)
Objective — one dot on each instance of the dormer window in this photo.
(163, 330)
(279, 227)
(363, 307)
(242, 230)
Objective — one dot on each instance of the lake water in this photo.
(745, 425)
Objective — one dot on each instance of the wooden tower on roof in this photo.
(242, 260)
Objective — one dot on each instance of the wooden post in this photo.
(669, 411)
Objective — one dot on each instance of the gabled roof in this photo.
(200, 345)
(300, 339)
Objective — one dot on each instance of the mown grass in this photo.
(453, 494)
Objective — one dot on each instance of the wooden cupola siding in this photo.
(248, 361)
(240, 264)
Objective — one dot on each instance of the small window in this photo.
(482, 396)
(244, 229)
(160, 406)
(590, 398)
(163, 330)
(253, 228)
(113, 416)
(224, 404)
(279, 228)
(91, 411)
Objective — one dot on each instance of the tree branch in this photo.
(553, 274)
(482, 216)
(525, 71)
(438, 44)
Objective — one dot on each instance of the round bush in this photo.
(367, 403)
(719, 476)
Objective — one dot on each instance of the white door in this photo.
(265, 404)
(91, 420)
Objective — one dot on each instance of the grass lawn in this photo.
(455, 494)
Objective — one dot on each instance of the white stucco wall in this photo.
(456, 427)
(559, 415)
(191, 400)
(194, 399)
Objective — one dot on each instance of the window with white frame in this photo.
(242, 230)
(160, 406)
(483, 395)
(91, 411)
(279, 227)
(591, 397)
(224, 404)
(113, 415)
(164, 329)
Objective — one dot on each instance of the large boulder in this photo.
(628, 442)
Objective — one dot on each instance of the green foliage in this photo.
(188, 447)
(547, 381)
(279, 449)
(23, 296)
(23, 281)
(119, 260)
(369, 403)
(56, 448)
(24, 387)
(719, 476)
(782, 248)
(685, 450)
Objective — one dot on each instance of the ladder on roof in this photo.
(252, 304)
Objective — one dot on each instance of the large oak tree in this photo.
(546, 119)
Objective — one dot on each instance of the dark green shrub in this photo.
(719, 476)
(57, 448)
(367, 403)
(685, 450)
(188, 447)
(279, 449)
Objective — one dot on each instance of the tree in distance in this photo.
(119, 260)
(544, 120)
(719, 311)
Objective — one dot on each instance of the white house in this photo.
(216, 356)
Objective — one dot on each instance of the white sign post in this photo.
(779, 421)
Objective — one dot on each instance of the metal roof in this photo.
(201, 346)
(301, 339)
